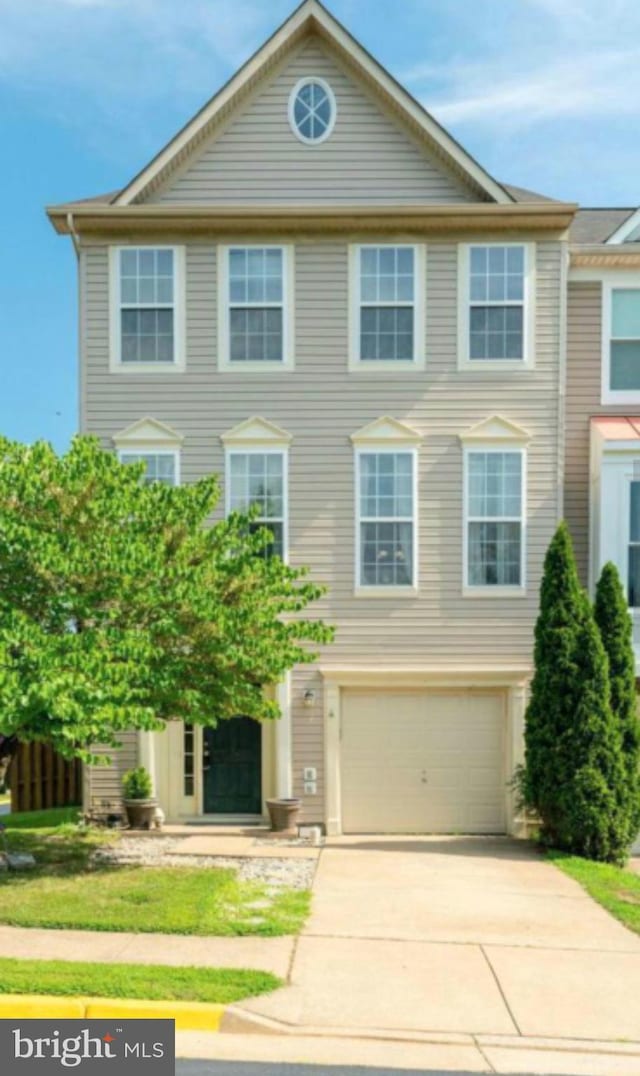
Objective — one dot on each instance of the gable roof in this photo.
(311, 16)
(592, 226)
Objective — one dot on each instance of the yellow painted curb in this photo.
(34, 1007)
(188, 1015)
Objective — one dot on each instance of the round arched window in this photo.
(312, 110)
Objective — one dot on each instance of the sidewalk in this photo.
(260, 954)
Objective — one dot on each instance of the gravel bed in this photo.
(157, 852)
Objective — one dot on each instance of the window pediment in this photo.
(147, 431)
(256, 431)
(386, 429)
(496, 428)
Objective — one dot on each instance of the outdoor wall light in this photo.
(309, 697)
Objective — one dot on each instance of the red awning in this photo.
(617, 427)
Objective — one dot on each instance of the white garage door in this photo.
(418, 762)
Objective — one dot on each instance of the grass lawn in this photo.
(67, 890)
(616, 889)
(66, 978)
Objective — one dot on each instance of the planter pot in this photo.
(284, 815)
(141, 813)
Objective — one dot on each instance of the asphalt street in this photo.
(242, 1068)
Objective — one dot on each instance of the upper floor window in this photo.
(146, 308)
(160, 466)
(312, 110)
(257, 477)
(495, 315)
(387, 286)
(255, 308)
(494, 523)
(621, 344)
(386, 524)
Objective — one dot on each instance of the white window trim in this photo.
(390, 449)
(261, 450)
(490, 592)
(288, 287)
(116, 366)
(373, 366)
(611, 282)
(290, 113)
(529, 311)
(151, 448)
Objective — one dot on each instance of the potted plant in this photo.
(140, 804)
(284, 815)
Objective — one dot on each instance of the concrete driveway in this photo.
(459, 937)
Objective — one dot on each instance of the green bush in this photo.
(616, 632)
(574, 771)
(137, 784)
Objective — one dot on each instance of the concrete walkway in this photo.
(480, 937)
(262, 954)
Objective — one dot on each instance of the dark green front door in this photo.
(233, 767)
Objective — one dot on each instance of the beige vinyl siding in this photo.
(103, 784)
(320, 403)
(584, 362)
(370, 157)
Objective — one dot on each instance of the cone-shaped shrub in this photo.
(574, 773)
(616, 632)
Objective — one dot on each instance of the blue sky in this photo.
(545, 93)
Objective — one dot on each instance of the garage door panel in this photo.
(423, 762)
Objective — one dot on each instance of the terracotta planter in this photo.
(141, 813)
(284, 815)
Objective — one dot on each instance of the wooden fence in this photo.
(40, 778)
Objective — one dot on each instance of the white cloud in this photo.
(598, 84)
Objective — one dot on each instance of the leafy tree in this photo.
(616, 632)
(120, 609)
(574, 772)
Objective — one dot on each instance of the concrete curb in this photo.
(188, 1015)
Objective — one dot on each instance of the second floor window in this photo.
(160, 466)
(624, 343)
(146, 315)
(258, 478)
(386, 304)
(254, 308)
(495, 313)
(386, 519)
(494, 519)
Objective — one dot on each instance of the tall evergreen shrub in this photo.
(616, 631)
(574, 771)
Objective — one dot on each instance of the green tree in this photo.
(616, 632)
(574, 772)
(122, 607)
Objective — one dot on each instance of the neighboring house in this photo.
(315, 291)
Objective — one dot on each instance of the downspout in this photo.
(73, 233)
(562, 376)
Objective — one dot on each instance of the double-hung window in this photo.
(496, 296)
(386, 507)
(387, 315)
(494, 523)
(621, 343)
(258, 477)
(255, 308)
(161, 466)
(147, 309)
